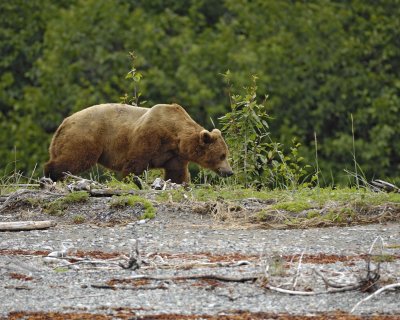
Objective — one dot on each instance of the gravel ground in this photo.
(179, 243)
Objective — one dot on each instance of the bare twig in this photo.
(389, 286)
(373, 244)
(68, 174)
(298, 271)
(292, 292)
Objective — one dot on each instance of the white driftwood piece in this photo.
(26, 225)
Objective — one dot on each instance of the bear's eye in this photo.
(223, 157)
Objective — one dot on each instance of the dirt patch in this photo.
(55, 316)
(132, 282)
(19, 276)
(306, 258)
(96, 254)
(126, 313)
(202, 256)
(21, 252)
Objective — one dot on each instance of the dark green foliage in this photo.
(319, 61)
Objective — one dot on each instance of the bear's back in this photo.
(109, 111)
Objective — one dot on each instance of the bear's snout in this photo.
(225, 172)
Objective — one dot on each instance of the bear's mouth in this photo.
(224, 172)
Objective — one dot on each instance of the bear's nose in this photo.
(229, 173)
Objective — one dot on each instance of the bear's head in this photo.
(212, 152)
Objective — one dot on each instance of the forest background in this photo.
(321, 63)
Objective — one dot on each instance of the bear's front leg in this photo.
(134, 167)
(177, 171)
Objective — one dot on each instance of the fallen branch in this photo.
(106, 286)
(26, 225)
(389, 286)
(343, 287)
(193, 265)
(111, 192)
(21, 185)
(198, 277)
(385, 186)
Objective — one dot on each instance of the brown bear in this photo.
(130, 139)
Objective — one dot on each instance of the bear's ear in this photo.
(205, 137)
(216, 132)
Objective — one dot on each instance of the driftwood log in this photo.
(26, 225)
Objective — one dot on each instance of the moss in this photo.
(57, 207)
(125, 185)
(131, 201)
(76, 197)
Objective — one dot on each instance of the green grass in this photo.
(77, 219)
(125, 185)
(55, 208)
(301, 208)
(128, 183)
(293, 206)
(295, 200)
(383, 258)
(212, 193)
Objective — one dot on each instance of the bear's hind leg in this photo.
(74, 164)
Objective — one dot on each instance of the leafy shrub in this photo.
(257, 160)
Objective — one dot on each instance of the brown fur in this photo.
(132, 139)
